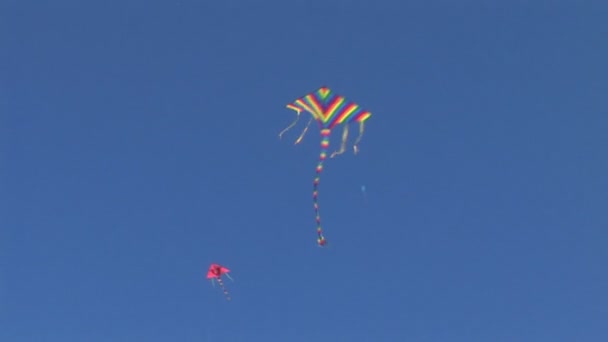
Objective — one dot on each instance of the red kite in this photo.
(215, 273)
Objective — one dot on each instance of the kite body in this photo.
(215, 272)
(329, 110)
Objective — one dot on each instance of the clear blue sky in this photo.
(139, 143)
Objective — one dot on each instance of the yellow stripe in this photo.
(290, 106)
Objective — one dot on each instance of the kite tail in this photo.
(293, 124)
(343, 144)
(325, 133)
(361, 129)
(303, 132)
(290, 126)
(219, 280)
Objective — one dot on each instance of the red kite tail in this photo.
(219, 280)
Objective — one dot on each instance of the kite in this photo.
(329, 110)
(215, 273)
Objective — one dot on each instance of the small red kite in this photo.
(215, 273)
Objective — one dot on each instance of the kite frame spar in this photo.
(329, 110)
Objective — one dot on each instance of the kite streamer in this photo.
(329, 110)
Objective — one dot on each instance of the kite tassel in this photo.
(290, 126)
(361, 130)
(303, 132)
(343, 144)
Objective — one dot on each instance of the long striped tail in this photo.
(219, 280)
(325, 133)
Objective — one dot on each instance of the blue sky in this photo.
(139, 144)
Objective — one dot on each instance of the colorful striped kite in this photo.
(329, 110)
(215, 272)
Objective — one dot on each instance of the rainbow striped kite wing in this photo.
(338, 110)
(308, 103)
(329, 108)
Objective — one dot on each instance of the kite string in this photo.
(325, 133)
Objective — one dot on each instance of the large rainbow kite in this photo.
(329, 110)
